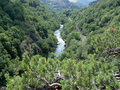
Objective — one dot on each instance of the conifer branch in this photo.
(39, 77)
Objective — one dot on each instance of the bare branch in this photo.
(113, 51)
(58, 77)
(55, 85)
(26, 87)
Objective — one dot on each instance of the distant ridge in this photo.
(84, 3)
(94, 2)
(61, 5)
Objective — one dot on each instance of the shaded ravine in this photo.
(61, 44)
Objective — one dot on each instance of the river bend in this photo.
(61, 43)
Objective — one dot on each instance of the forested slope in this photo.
(96, 20)
(90, 66)
(25, 26)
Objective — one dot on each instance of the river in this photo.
(61, 43)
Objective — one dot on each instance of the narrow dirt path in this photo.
(82, 36)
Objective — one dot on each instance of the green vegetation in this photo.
(99, 24)
(25, 26)
(74, 74)
(92, 53)
(95, 22)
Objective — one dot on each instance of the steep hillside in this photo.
(91, 60)
(96, 20)
(61, 5)
(25, 26)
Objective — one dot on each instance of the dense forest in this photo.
(90, 60)
(25, 26)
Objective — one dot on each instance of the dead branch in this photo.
(113, 51)
(58, 77)
(48, 85)
(26, 87)
(54, 85)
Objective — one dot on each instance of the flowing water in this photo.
(61, 43)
